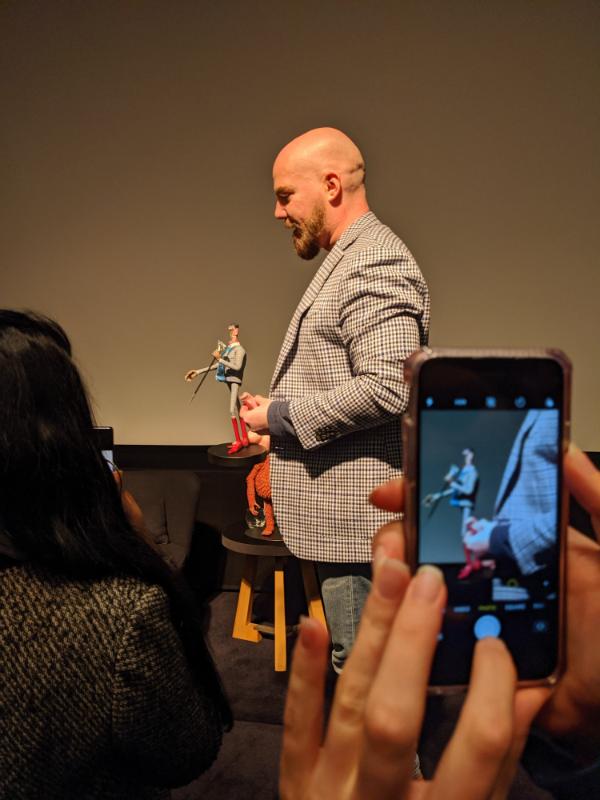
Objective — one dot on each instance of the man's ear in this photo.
(333, 187)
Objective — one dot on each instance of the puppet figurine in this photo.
(229, 361)
(258, 483)
(460, 485)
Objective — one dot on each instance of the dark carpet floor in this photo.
(248, 762)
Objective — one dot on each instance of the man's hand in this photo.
(254, 412)
(191, 374)
(249, 403)
(216, 355)
(477, 535)
(249, 400)
(261, 441)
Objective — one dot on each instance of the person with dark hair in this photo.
(108, 688)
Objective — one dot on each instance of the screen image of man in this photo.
(338, 391)
(524, 526)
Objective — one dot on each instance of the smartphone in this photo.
(483, 440)
(105, 443)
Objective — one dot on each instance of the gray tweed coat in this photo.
(96, 700)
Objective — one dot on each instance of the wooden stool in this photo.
(253, 549)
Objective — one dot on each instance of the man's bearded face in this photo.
(306, 233)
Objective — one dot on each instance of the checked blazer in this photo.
(526, 500)
(341, 371)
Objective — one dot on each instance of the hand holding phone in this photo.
(570, 710)
(376, 716)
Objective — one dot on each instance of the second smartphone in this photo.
(484, 438)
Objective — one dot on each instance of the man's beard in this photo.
(306, 234)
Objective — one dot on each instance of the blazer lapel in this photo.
(335, 255)
(513, 464)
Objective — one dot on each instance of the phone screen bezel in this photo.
(477, 374)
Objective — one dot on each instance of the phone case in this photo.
(412, 368)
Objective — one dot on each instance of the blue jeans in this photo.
(344, 589)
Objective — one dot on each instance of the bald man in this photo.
(338, 390)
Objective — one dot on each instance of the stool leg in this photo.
(280, 629)
(242, 627)
(311, 589)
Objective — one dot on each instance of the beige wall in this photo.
(136, 142)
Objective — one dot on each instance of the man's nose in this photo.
(280, 212)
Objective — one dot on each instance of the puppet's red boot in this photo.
(237, 445)
(473, 565)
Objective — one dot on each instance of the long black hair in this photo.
(59, 503)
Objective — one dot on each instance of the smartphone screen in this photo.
(105, 443)
(488, 506)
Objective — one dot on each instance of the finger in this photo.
(527, 705)
(133, 512)
(249, 417)
(583, 480)
(389, 496)
(396, 702)
(303, 715)
(472, 762)
(389, 541)
(345, 731)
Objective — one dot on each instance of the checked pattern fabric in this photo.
(341, 370)
(526, 500)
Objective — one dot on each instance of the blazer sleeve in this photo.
(164, 726)
(380, 306)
